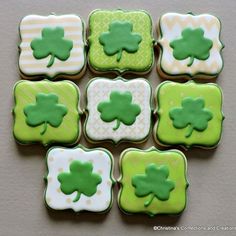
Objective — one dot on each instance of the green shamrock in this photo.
(119, 108)
(80, 179)
(153, 182)
(119, 38)
(192, 114)
(192, 44)
(52, 43)
(45, 111)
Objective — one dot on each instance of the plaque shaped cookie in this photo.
(189, 114)
(52, 46)
(120, 41)
(46, 112)
(190, 46)
(80, 179)
(118, 110)
(156, 185)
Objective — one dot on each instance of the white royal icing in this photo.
(59, 159)
(31, 27)
(99, 90)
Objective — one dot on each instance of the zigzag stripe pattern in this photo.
(172, 24)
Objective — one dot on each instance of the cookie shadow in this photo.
(83, 216)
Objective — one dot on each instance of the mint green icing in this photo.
(193, 44)
(52, 43)
(120, 37)
(119, 108)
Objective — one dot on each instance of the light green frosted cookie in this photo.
(46, 112)
(120, 41)
(152, 181)
(189, 114)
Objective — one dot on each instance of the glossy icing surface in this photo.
(46, 112)
(189, 114)
(118, 110)
(190, 45)
(79, 179)
(51, 45)
(111, 51)
(141, 170)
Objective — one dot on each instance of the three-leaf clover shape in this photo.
(45, 111)
(80, 179)
(119, 108)
(119, 38)
(193, 44)
(52, 43)
(192, 114)
(155, 182)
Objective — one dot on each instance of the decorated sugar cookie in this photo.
(52, 46)
(46, 112)
(79, 179)
(118, 110)
(189, 114)
(190, 46)
(157, 185)
(120, 41)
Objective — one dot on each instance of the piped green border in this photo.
(52, 141)
(156, 113)
(58, 75)
(117, 70)
(186, 75)
(86, 111)
(121, 176)
(86, 150)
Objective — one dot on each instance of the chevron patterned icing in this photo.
(170, 28)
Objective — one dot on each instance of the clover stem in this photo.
(147, 203)
(118, 57)
(117, 125)
(44, 128)
(51, 61)
(191, 61)
(190, 130)
(77, 197)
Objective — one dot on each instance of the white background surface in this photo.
(212, 175)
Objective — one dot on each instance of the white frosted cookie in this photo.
(190, 46)
(79, 179)
(118, 110)
(52, 46)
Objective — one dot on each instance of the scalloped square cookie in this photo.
(190, 46)
(46, 112)
(52, 46)
(120, 41)
(152, 181)
(79, 179)
(189, 114)
(118, 110)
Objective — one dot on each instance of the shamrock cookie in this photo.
(79, 179)
(120, 41)
(46, 112)
(118, 110)
(157, 185)
(189, 114)
(53, 46)
(190, 46)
